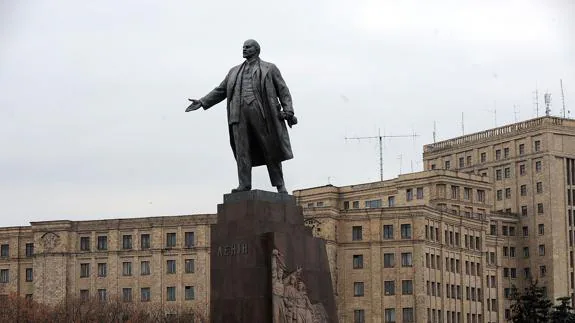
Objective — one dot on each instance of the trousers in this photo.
(250, 133)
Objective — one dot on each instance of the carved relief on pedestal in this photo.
(291, 303)
(49, 241)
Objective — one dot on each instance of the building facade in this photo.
(491, 211)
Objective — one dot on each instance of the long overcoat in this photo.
(269, 87)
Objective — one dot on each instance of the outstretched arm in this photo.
(216, 96)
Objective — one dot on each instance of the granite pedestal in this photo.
(250, 226)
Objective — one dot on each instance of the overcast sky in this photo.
(92, 93)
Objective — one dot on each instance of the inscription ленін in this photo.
(233, 249)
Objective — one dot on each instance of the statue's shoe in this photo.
(241, 189)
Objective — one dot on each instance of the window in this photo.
(524, 210)
(406, 231)
(499, 195)
(358, 316)
(127, 241)
(447, 164)
(454, 192)
(189, 293)
(127, 294)
(542, 271)
(483, 157)
(102, 270)
(408, 315)
(84, 295)
(523, 189)
(498, 154)
(507, 172)
(508, 193)
(542, 250)
(4, 275)
(407, 287)
(512, 231)
(5, 251)
(171, 293)
(512, 252)
(358, 289)
(102, 243)
(373, 204)
(102, 295)
(126, 268)
(526, 252)
(540, 208)
(505, 251)
(406, 260)
(468, 160)
(461, 162)
(319, 204)
(391, 201)
(145, 268)
(419, 193)
(346, 205)
(190, 265)
(481, 195)
(145, 294)
(145, 241)
(527, 272)
(506, 272)
(190, 241)
(29, 249)
(389, 287)
(538, 166)
(84, 270)
(409, 194)
(537, 145)
(525, 231)
(357, 261)
(521, 149)
(170, 240)
(493, 229)
(29, 274)
(171, 266)
(389, 315)
(356, 233)
(388, 231)
(539, 186)
(522, 170)
(504, 230)
(85, 243)
(507, 292)
(505, 152)
(355, 204)
(541, 228)
(513, 272)
(466, 193)
(388, 260)
(498, 175)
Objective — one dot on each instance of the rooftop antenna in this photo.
(515, 112)
(434, 131)
(400, 157)
(494, 111)
(536, 101)
(380, 138)
(547, 99)
(562, 96)
(462, 124)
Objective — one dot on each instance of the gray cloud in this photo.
(92, 94)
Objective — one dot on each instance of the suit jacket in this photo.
(271, 90)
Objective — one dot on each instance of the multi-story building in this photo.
(490, 211)
(160, 259)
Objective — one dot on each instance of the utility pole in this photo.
(562, 96)
(380, 138)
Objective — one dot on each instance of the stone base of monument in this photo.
(265, 264)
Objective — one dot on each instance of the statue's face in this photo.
(250, 49)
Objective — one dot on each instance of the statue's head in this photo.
(300, 286)
(251, 49)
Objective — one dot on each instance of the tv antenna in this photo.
(515, 111)
(547, 99)
(536, 101)
(380, 138)
(562, 96)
